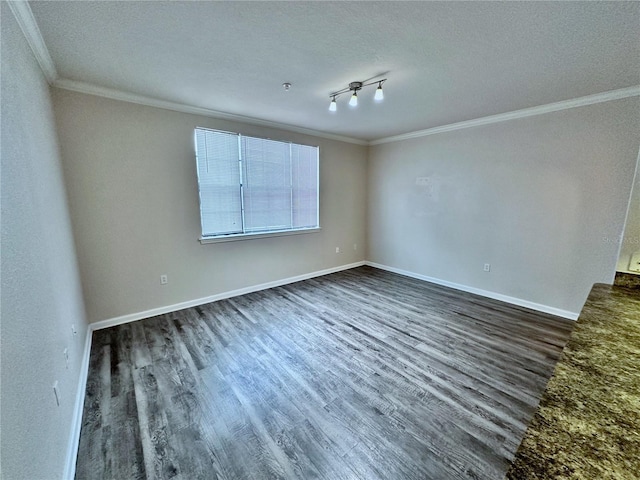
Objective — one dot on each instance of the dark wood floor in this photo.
(361, 374)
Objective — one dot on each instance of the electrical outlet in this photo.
(487, 267)
(66, 357)
(56, 392)
(337, 249)
(164, 280)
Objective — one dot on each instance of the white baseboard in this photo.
(76, 421)
(484, 293)
(111, 322)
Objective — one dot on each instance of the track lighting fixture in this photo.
(353, 88)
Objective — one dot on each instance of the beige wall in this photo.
(542, 199)
(133, 194)
(41, 296)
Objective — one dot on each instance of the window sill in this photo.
(253, 236)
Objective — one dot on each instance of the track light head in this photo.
(354, 99)
(379, 96)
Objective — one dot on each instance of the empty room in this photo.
(320, 240)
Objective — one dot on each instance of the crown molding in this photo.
(114, 94)
(24, 16)
(526, 112)
(91, 89)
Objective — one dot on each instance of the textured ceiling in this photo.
(446, 61)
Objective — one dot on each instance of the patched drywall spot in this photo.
(429, 194)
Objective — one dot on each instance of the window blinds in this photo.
(304, 178)
(219, 179)
(252, 185)
(266, 184)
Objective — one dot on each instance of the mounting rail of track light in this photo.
(355, 87)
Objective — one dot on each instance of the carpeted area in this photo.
(588, 423)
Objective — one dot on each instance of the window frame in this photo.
(230, 237)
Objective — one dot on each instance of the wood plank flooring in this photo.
(361, 375)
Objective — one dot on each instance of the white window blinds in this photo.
(253, 185)
(304, 178)
(266, 185)
(219, 178)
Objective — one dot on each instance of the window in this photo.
(251, 186)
